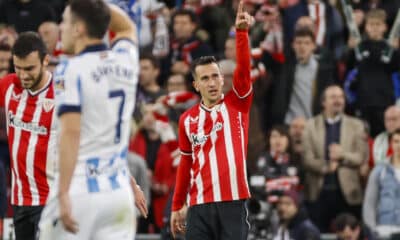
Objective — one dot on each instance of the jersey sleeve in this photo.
(242, 85)
(185, 146)
(4, 84)
(125, 45)
(68, 89)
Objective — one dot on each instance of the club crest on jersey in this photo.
(48, 104)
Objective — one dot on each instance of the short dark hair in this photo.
(282, 130)
(345, 219)
(304, 32)
(94, 13)
(323, 94)
(395, 132)
(185, 12)
(147, 56)
(204, 60)
(28, 42)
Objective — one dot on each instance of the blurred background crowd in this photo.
(323, 112)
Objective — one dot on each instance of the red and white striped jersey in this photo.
(216, 139)
(32, 139)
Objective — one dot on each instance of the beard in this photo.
(36, 81)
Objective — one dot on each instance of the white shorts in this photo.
(100, 216)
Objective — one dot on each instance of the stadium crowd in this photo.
(324, 132)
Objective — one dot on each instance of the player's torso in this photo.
(108, 87)
(217, 136)
(32, 130)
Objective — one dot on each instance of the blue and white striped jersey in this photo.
(100, 84)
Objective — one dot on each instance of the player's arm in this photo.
(242, 84)
(68, 91)
(140, 200)
(122, 25)
(178, 215)
(68, 155)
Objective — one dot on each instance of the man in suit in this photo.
(334, 148)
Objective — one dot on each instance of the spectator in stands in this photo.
(296, 134)
(371, 64)
(185, 46)
(8, 35)
(25, 15)
(5, 59)
(297, 84)
(276, 163)
(382, 198)
(347, 227)
(156, 143)
(334, 148)
(149, 90)
(329, 24)
(5, 68)
(294, 223)
(381, 152)
(389, 6)
(50, 33)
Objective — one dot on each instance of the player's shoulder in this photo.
(191, 113)
(123, 44)
(9, 80)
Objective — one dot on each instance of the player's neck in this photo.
(84, 43)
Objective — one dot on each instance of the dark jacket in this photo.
(301, 228)
(372, 84)
(282, 86)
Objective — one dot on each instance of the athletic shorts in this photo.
(100, 216)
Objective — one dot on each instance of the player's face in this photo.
(30, 70)
(208, 82)
(68, 31)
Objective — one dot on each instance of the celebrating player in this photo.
(95, 98)
(213, 145)
(28, 99)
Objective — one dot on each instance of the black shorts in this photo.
(26, 220)
(218, 221)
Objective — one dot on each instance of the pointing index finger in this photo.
(240, 7)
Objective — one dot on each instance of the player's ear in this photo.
(195, 86)
(46, 60)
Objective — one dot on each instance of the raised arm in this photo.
(122, 25)
(241, 79)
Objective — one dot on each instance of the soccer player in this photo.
(95, 97)
(28, 99)
(213, 145)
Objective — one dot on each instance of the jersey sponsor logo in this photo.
(27, 126)
(48, 104)
(199, 139)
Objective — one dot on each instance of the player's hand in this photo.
(140, 201)
(68, 221)
(178, 221)
(243, 19)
